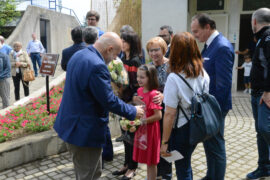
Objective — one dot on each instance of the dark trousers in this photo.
(129, 153)
(164, 168)
(180, 141)
(107, 153)
(216, 154)
(261, 114)
(36, 59)
(16, 82)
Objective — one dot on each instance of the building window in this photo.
(250, 5)
(205, 5)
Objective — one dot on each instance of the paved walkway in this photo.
(38, 83)
(240, 144)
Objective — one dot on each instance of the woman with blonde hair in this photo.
(185, 61)
(20, 61)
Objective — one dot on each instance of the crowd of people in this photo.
(14, 62)
(152, 94)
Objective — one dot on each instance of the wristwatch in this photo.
(164, 142)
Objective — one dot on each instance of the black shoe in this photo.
(118, 173)
(127, 178)
(205, 178)
(120, 138)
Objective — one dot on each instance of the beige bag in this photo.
(28, 75)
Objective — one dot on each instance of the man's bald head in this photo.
(2, 39)
(109, 45)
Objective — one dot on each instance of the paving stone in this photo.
(19, 176)
(31, 172)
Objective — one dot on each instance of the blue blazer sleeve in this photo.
(100, 85)
(223, 68)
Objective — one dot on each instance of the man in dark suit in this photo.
(76, 35)
(218, 57)
(88, 97)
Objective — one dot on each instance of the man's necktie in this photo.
(204, 48)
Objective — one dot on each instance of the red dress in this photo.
(151, 154)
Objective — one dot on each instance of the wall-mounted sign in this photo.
(49, 63)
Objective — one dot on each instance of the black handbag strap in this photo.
(185, 81)
(179, 106)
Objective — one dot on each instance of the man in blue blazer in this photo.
(218, 57)
(88, 97)
(76, 35)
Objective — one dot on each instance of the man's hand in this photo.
(163, 150)
(139, 111)
(138, 100)
(158, 98)
(266, 99)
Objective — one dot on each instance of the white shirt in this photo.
(247, 67)
(176, 91)
(35, 47)
(211, 38)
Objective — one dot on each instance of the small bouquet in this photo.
(118, 73)
(130, 126)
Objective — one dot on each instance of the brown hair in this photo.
(93, 13)
(185, 55)
(151, 73)
(159, 41)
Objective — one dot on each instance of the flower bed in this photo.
(32, 117)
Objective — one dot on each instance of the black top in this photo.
(68, 52)
(260, 71)
(131, 67)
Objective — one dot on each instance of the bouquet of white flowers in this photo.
(118, 73)
(130, 126)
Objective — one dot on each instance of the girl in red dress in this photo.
(148, 82)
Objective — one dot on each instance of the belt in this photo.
(34, 53)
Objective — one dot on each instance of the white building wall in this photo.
(156, 13)
(234, 10)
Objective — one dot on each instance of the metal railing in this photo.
(51, 4)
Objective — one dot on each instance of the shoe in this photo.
(205, 178)
(120, 138)
(127, 178)
(257, 174)
(118, 173)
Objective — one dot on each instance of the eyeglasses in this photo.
(154, 50)
(163, 35)
(91, 19)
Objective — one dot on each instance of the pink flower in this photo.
(5, 134)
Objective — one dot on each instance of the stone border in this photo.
(30, 148)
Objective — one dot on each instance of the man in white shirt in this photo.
(34, 49)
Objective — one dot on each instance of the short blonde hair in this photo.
(17, 43)
(159, 41)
